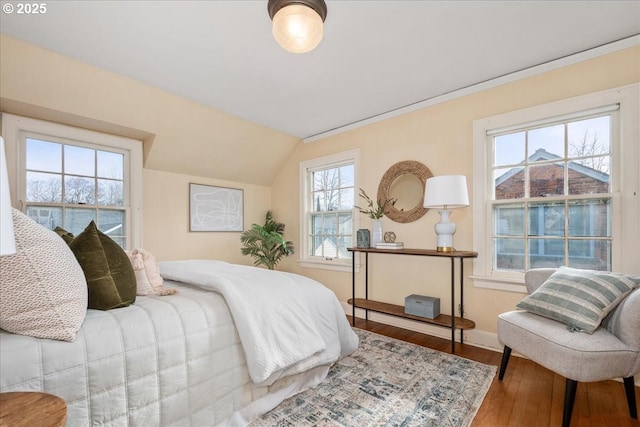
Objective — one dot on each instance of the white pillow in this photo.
(43, 292)
(148, 279)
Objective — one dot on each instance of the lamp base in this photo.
(445, 249)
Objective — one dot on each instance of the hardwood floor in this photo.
(530, 395)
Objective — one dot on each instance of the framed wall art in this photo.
(215, 208)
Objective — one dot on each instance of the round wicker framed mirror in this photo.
(404, 182)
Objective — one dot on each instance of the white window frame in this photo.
(16, 129)
(625, 179)
(306, 167)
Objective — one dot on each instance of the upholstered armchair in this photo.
(612, 350)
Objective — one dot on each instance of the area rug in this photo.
(387, 382)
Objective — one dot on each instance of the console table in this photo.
(449, 321)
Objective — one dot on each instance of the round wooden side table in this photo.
(22, 409)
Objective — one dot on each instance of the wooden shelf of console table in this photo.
(398, 311)
(448, 321)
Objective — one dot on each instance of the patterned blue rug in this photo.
(387, 382)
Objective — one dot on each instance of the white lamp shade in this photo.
(297, 28)
(7, 239)
(446, 192)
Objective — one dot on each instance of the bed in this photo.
(218, 352)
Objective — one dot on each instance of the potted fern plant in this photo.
(266, 243)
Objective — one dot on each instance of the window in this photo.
(551, 195)
(327, 225)
(549, 189)
(68, 177)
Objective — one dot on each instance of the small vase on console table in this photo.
(377, 235)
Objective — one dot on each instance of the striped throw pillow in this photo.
(579, 298)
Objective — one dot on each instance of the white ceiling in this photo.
(376, 56)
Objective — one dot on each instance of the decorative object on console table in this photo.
(423, 306)
(375, 213)
(444, 193)
(394, 245)
(376, 235)
(363, 238)
(389, 237)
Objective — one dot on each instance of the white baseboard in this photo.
(474, 337)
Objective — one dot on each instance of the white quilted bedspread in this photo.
(165, 361)
(287, 323)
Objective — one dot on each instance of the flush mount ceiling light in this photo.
(297, 24)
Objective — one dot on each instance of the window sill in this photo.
(499, 283)
(325, 265)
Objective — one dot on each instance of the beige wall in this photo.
(440, 137)
(165, 225)
(183, 142)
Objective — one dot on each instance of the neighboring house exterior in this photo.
(552, 223)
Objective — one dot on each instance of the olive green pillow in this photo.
(111, 281)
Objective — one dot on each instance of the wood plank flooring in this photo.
(529, 395)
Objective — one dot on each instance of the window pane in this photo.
(111, 222)
(79, 160)
(546, 253)
(77, 219)
(316, 224)
(590, 218)
(110, 192)
(79, 190)
(44, 187)
(330, 224)
(49, 217)
(509, 183)
(509, 254)
(319, 204)
(546, 143)
(346, 176)
(509, 149)
(44, 156)
(110, 165)
(589, 176)
(509, 220)
(589, 137)
(546, 219)
(332, 198)
(347, 198)
(319, 180)
(344, 243)
(546, 180)
(345, 224)
(590, 254)
(316, 246)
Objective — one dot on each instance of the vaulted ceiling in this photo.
(376, 56)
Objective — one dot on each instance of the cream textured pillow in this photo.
(148, 279)
(43, 292)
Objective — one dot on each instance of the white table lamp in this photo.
(7, 239)
(444, 193)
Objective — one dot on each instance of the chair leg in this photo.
(505, 360)
(630, 389)
(569, 398)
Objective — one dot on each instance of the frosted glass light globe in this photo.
(297, 28)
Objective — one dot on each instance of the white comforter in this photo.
(287, 323)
